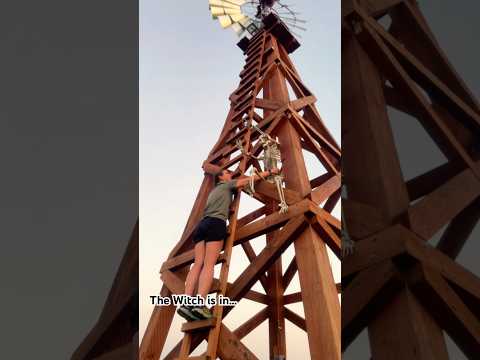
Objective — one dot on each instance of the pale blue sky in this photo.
(188, 68)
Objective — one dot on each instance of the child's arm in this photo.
(245, 180)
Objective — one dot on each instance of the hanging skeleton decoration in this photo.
(348, 245)
(271, 157)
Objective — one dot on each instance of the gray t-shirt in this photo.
(219, 200)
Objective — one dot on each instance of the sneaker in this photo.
(187, 313)
(202, 312)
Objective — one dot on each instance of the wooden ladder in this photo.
(214, 324)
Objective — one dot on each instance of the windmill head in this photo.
(246, 18)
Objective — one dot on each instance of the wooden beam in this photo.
(249, 325)
(231, 348)
(365, 296)
(271, 222)
(452, 271)
(327, 235)
(319, 294)
(448, 309)
(324, 191)
(295, 319)
(401, 80)
(255, 214)
(289, 273)
(416, 334)
(363, 220)
(376, 169)
(425, 183)
(267, 256)
(268, 104)
(292, 298)
(459, 230)
(270, 190)
(375, 249)
(374, 8)
(443, 204)
(248, 249)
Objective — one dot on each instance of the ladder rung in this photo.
(198, 325)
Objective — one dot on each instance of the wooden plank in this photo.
(332, 201)
(247, 247)
(231, 348)
(197, 325)
(270, 222)
(249, 325)
(120, 297)
(300, 103)
(268, 104)
(270, 190)
(295, 319)
(448, 309)
(443, 204)
(292, 298)
(419, 39)
(319, 294)
(459, 230)
(319, 180)
(324, 142)
(452, 271)
(416, 334)
(329, 218)
(430, 67)
(327, 235)
(158, 326)
(374, 176)
(275, 290)
(324, 191)
(396, 100)
(375, 249)
(400, 79)
(375, 8)
(289, 273)
(425, 183)
(255, 214)
(363, 220)
(325, 160)
(365, 296)
(173, 282)
(267, 256)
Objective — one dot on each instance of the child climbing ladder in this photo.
(209, 236)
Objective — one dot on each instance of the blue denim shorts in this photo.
(210, 229)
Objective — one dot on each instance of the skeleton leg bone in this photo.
(283, 204)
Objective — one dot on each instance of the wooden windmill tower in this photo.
(404, 289)
(262, 99)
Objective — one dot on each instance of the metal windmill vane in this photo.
(245, 17)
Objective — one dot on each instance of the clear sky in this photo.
(188, 68)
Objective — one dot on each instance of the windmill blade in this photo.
(217, 11)
(225, 21)
(223, 4)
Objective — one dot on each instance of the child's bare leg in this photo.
(196, 268)
(212, 250)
